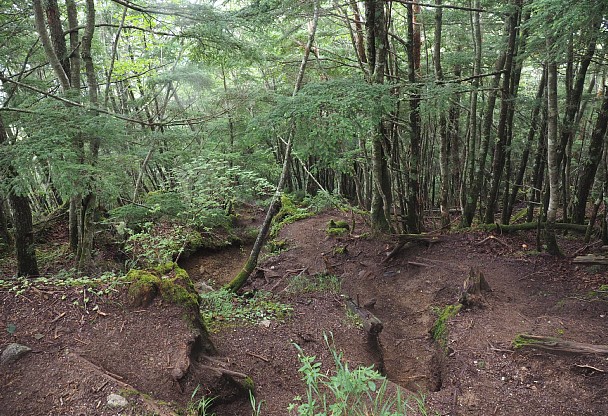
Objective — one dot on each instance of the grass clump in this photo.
(223, 307)
(348, 392)
(439, 331)
(321, 282)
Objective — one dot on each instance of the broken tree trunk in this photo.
(473, 289)
(558, 345)
(372, 326)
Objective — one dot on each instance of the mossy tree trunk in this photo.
(241, 278)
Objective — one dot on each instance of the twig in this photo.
(58, 317)
(491, 237)
(257, 356)
(415, 263)
(588, 367)
(224, 371)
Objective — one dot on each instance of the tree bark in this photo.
(552, 160)
(414, 220)
(27, 264)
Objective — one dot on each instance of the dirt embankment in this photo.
(83, 353)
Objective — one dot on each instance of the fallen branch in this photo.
(591, 259)
(558, 345)
(493, 238)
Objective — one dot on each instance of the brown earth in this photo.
(83, 351)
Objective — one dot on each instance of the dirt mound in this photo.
(83, 352)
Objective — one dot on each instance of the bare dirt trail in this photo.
(84, 355)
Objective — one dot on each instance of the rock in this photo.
(117, 401)
(13, 352)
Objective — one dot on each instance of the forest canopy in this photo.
(118, 112)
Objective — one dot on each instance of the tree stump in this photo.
(473, 289)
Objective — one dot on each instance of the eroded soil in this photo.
(80, 355)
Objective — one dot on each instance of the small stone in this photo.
(116, 401)
(265, 323)
(13, 352)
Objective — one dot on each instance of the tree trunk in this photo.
(534, 127)
(27, 264)
(414, 220)
(470, 195)
(241, 278)
(478, 179)
(552, 160)
(5, 237)
(88, 205)
(589, 167)
(506, 103)
(377, 45)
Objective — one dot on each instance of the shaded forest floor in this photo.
(87, 344)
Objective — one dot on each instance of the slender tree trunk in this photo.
(241, 278)
(506, 103)
(414, 220)
(469, 202)
(444, 157)
(552, 161)
(88, 206)
(519, 180)
(478, 177)
(589, 167)
(377, 43)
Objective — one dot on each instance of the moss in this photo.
(143, 288)
(339, 250)
(276, 246)
(439, 331)
(521, 340)
(337, 228)
(169, 280)
(289, 213)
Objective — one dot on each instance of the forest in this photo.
(134, 134)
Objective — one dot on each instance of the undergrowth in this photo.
(321, 282)
(223, 307)
(349, 392)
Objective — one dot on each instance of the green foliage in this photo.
(599, 293)
(223, 307)
(199, 406)
(320, 282)
(101, 285)
(347, 392)
(160, 243)
(439, 331)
